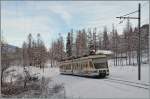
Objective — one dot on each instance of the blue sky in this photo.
(49, 18)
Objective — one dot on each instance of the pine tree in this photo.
(30, 49)
(69, 45)
(41, 51)
(61, 47)
(81, 43)
(84, 42)
(90, 41)
(99, 42)
(94, 40)
(24, 54)
(105, 39)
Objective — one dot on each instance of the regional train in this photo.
(93, 65)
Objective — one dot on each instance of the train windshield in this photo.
(100, 65)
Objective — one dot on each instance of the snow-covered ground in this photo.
(81, 87)
(130, 73)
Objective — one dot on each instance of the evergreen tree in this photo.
(69, 45)
(105, 39)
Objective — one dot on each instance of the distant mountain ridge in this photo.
(11, 48)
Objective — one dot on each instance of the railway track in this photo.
(129, 83)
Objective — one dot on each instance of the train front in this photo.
(101, 66)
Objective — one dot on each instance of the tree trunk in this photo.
(1, 78)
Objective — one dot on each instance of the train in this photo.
(92, 65)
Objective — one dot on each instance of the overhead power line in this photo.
(130, 13)
(135, 11)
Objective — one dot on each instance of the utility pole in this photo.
(139, 36)
(139, 46)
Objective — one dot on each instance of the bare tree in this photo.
(5, 60)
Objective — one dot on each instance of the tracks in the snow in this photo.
(123, 82)
(129, 83)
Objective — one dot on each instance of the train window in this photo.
(74, 66)
(82, 67)
(100, 65)
(68, 66)
(71, 66)
(86, 65)
(78, 66)
(90, 64)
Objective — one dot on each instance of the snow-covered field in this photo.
(130, 73)
(81, 87)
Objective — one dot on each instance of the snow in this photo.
(129, 73)
(106, 52)
(18, 70)
(81, 87)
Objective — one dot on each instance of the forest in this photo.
(124, 46)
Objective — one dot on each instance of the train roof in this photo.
(87, 57)
(93, 56)
(106, 52)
